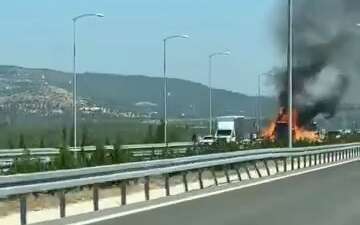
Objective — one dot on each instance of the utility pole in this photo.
(290, 70)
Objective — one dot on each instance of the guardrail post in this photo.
(123, 192)
(23, 209)
(147, 188)
(257, 170)
(310, 160)
(328, 157)
(201, 184)
(237, 169)
(267, 168)
(292, 163)
(213, 172)
(167, 186)
(285, 164)
(298, 162)
(62, 203)
(247, 171)
(184, 177)
(304, 159)
(95, 197)
(226, 171)
(276, 165)
(315, 159)
(335, 159)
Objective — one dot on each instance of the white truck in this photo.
(234, 128)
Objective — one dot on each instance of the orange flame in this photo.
(299, 133)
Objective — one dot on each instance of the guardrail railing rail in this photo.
(21, 185)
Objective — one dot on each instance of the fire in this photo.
(279, 128)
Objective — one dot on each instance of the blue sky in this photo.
(129, 39)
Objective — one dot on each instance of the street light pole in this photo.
(165, 80)
(74, 71)
(258, 116)
(290, 71)
(211, 56)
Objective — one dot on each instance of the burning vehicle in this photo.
(326, 47)
(278, 129)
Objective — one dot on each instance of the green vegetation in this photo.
(68, 160)
(58, 133)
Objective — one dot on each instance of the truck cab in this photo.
(227, 128)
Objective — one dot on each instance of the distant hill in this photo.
(135, 93)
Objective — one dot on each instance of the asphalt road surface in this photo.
(326, 197)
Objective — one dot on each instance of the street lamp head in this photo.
(176, 36)
(225, 53)
(184, 36)
(87, 15)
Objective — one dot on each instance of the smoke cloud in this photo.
(326, 54)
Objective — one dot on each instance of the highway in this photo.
(325, 197)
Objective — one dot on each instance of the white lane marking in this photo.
(147, 208)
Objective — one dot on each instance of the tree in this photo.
(99, 157)
(11, 143)
(160, 132)
(65, 159)
(85, 137)
(64, 136)
(174, 135)
(42, 142)
(119, 155)
(22, 141)
(71, 139)
(149, 138)
(25, 164)
(107, 140)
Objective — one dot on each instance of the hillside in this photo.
(51, 90)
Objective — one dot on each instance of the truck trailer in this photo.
(234, 128)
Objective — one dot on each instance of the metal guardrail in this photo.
(23, 184)
(18, 152)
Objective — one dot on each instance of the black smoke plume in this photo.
(326, 54)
